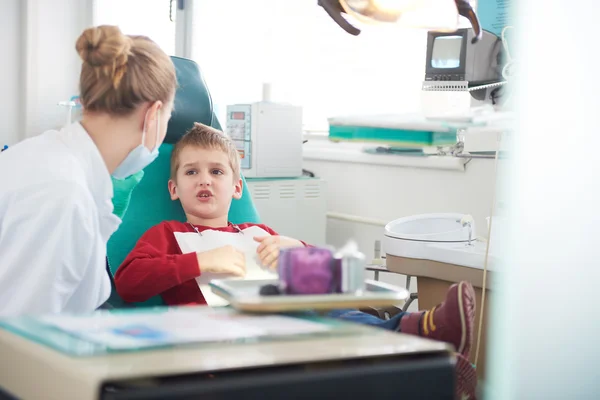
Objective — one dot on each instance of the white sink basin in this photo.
(430, 228)
(436, 237)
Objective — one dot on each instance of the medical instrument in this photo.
(268, 136)
(439, 15)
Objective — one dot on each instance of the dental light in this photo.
(436, 15)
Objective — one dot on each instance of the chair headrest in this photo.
(192, 100)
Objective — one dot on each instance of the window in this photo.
(294, 46)
(140, 17)
(308, 59)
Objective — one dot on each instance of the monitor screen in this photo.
(446, 52)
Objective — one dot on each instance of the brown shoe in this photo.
(451, 322)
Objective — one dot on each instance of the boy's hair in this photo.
(206, 137)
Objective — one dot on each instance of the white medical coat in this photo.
(55, 220)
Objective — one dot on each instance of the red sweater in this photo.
(156, 266)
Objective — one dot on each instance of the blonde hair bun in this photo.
(107, 48)
(120, 73)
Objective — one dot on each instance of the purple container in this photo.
(309, 270)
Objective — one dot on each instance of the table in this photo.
(368, 362)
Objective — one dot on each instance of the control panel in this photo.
(239, 127)
(445, 77)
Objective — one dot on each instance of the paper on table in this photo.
(210, 239)
(176, 326)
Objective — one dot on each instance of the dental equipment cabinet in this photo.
(268, 136)
(269, 139)
(294, 207)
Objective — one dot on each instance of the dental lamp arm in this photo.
(465, 9)
(335, 10)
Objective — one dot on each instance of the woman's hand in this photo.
(268, 249)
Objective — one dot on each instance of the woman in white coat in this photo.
(55, 200)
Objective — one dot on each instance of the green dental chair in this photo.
(143, 201)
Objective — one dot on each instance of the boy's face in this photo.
(205, 184)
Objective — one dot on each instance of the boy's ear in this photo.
(173, 190)
(237, 192)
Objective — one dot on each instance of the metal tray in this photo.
(243, 295)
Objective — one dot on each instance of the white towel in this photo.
(210, 239)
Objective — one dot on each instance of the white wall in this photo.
(10, 75)
(51, 63)
(40, 65)
(390, 192)
(307, 58)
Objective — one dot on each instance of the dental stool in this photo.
(143, 200)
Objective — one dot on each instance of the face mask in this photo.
(140, 157)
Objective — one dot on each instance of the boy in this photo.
(205, 177)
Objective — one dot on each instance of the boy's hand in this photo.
(268, 250)
(222, 260)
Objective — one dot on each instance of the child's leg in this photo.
(367, 319)
(451, 321)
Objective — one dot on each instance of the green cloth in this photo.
(122, 192)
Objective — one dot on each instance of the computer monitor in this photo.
(451, 56)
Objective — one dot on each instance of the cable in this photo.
(505, 71)
(504, 42)
(487, 86)
(487, 252)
